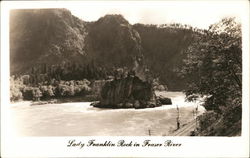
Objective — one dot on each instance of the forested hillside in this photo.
(55, 43)
(112, 42)
(163, 48)
(45, 36)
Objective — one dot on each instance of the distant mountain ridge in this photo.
(54, 36)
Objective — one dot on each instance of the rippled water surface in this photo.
(81, 119)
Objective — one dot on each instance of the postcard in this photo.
(125, 79)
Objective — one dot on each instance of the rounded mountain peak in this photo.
(113, 19)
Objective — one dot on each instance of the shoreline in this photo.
(176, 97)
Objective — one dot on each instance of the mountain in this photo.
(112, 41)
(163, 48)
(55, 36)
(45, 36)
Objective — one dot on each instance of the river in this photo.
(81, 119)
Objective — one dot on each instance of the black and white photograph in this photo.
(165, 69)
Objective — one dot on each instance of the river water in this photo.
(81, 119)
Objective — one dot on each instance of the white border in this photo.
(56, 146)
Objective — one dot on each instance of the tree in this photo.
(47, 91)
(213, 69)
(16, 85)
(36, 94)
(213, 65)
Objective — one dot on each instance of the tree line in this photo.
(56, 89)
(66, 80)
(66, 71)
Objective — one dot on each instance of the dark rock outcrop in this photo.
(96, 87)
(164, 100)
(129, 92)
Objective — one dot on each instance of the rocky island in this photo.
(129, 92)
(133, 90)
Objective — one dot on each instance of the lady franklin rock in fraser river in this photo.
(121, 143)
(132, 91)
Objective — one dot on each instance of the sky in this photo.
(199, 14)
(196, 13)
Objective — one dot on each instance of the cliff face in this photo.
(129, 92)
(96, 87)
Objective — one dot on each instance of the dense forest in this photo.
(213, 70)
(54, 54)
